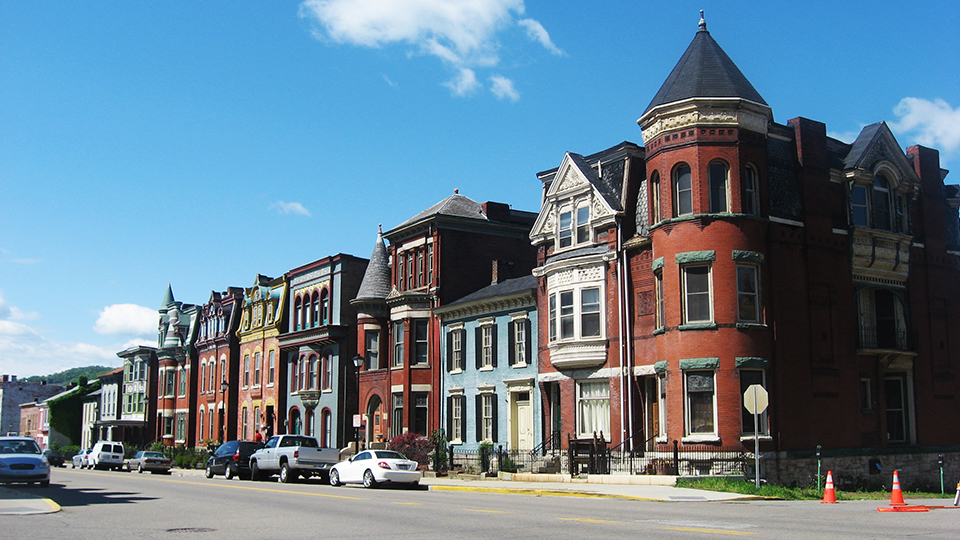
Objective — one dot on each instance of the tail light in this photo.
(296, 453)
(236, 457)
(384, 465)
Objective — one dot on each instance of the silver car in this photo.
(21, 460)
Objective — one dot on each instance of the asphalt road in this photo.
(110, 505)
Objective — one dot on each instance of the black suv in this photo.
(232, 459)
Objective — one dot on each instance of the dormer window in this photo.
(571, 221)
(878, 205)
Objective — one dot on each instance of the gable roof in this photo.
(876, 142)
(455, 205)
(704, 71)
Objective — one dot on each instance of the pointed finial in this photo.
(456, 191)
(703, 22)
(380, 228)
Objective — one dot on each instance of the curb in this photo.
(541, 492)
(17, 503)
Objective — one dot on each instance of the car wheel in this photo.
(335, 478)
(140, 468)
(368, 480)
(286, 475)
(255, 472)
(228, 472)
(209, 472)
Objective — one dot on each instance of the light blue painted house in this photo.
(490, 366)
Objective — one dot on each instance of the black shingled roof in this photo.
(704, 71)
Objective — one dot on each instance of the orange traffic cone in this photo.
(829, 494)
(896, 496)
(956, 500)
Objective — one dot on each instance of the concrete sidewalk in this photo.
(19, 502)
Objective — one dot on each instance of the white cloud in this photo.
(464, 83)
(388, 81)
(129, 319)
(290, 208)
(503, 88)
(931, 123)
(538, 33)
(463, 34)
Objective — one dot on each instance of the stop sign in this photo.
(755, 399)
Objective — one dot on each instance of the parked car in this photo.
(80, 458)
(292, 456)
(106, 455)
(54, 458)
(21, 460)
(373, 467)
(232, 459)
(146, 460)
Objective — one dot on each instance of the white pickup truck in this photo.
(292, 456)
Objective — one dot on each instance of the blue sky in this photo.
(201, 143)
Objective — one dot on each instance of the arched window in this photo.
(751, 192)
(309, 424)
(718, 173)
(655, 197)
(203, 378)
(324, 308)
(315, 306)
(298, 307)
(304, 369)
(200, 425)
(311, 373)
(682, 190)
(293, 375)
(296, 426)
(325, 428)
(881, 202)
(327, 372)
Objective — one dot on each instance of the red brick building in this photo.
(733, 250)
(218, 350)
(436, 257)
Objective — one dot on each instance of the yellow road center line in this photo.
(408, 503)
(712, 531)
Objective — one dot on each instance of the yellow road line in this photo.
(407, 503)
(538, 492)
(54, 507)
(712, 531)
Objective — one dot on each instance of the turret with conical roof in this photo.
(705, 88)
(376, 280)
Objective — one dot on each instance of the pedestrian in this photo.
(258, 437)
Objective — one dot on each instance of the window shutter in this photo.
(450, 351)
(450, 417)
(463, 417)
(495, 418)
(479, 415)
(512, 343)
(462, 363)
(493, 345)
(478, 345)
(526, 342)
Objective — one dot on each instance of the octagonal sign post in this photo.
(755, 401)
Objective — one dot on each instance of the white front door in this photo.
(523, 421)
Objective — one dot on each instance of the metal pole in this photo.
(818, 467)
(756, 438)
(940, 462)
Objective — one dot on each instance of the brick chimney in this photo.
(496, 211)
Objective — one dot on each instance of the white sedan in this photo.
(372, 467)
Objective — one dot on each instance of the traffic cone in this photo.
(956, 500)
(896, 496)
(829, 494)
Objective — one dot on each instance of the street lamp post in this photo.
(358, 362)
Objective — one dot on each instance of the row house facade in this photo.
(318, 347)
(732, 250)
(490, 370)
(108, 423)
(139, 388)
(438, 256)
(176, 371)
(218, 349)
(261, 389)
(14, 392)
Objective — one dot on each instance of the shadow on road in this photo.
(75, 497)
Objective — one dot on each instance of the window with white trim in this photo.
(593, 408)
(372, 338)
(576, 314)
(697, 304)
(658, 290)
(486, 347)
(574, 226)
(655, 197)
(682, 191)
(662, 405)
(701, 410)
(398, 346)
(421, 343)
(718, 173)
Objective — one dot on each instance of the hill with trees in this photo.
(71, 375)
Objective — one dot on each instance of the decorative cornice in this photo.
(703, 112)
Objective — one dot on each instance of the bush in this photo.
(415, 446)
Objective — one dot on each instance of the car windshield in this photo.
(386, 454)
(19, 447)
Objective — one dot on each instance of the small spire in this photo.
(703, 22)
(380, 228)
(456, 191)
